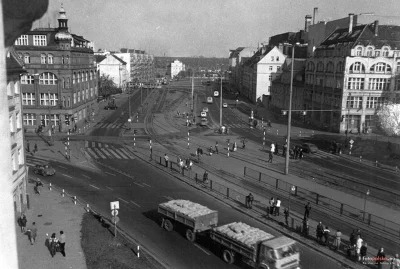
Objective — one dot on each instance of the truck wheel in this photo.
(228, 257)
(168, 225)
(190, 235)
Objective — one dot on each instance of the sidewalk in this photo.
(52, 214)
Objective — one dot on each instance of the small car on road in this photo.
(203, 122)
(225, 105)
(205, 109)
(44, 170)
(203, 114)
(309, 148)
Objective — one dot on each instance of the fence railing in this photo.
(337, 207)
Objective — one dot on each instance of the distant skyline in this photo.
(209, 28)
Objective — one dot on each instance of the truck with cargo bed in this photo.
(237, 240)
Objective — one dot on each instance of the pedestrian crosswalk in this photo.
(98, 150)
(238, 125)
(102, 125)
(33, 161)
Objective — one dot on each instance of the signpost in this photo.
(351, 145)
(114, 213)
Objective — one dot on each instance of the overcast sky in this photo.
(199, 27)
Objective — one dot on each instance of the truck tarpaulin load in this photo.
(236, 240)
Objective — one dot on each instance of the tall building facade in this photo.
(175, 68)
(236, 59)
(140, 64)
(353, 71)
(116, 69)
(60, 88)
(19, 168)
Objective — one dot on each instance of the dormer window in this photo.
(370, 52)
(272, 58)
(385, 52)
(39, 40)
(359, 51)
(22, 41)
(43, 58)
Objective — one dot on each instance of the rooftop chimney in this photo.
(307, 23)
(351, 22)
(315, 14)
(376, 26)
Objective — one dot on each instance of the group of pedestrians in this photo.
(54, 245)
(358, 247)
(274, 207)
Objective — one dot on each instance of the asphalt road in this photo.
(140, 193)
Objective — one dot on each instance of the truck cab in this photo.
(278, 253)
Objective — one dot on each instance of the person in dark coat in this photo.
(363, 252)
(276, 149)
(305, 226)
(380, 258)
(286, 212)
(271, 156)
(320, 231)
(216, 147)
(307, 210)
(326, 234)
(353, 238)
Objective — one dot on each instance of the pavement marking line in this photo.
(91, 153)
(110, 173)
(86, 176)
(98, 151)
(120, 153)
(107, 153)
(66, 175)
(123, 200)
(115, 154)
(127, 153)
(201, 249)
(62, 167)
(134, 203)
(94, 186)
(146, 185)
(86, 143)
(109, 188)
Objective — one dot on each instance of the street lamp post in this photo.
(290, 114)
(365, 203)
(220, 105)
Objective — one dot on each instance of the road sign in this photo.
(114, 212)
(115, 219)
(114, 205)
(351, 141)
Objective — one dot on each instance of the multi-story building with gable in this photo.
(60, 87)
(351, 73)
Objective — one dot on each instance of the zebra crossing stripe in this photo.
(120, 153)
(99, 153)
(91, 152)
(113, 153)
(128, 153)
(86, 143)
(106, 153)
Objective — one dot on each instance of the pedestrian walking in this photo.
(216, 147)
(36, 188)
(326, 234)
(53, 245)
(251, 199)
(284, 150)
(272, 147)
(286, 212)
(35, 148)
(62, 243)
(32, 232)
(181, 167)
(205, 177)
(166, 158)
(28, 146)
(353, 238)
(305, 226)
(271, 206)
(22, 223)
(276, 149)
(277, 207)
(338, 239)
(190, 165)
(234, 146)
(380, 258)
(395, 262)
(307, 210)
(187, 164)
(359, 244)
(270, 157)
(320, 232)
(363, 252)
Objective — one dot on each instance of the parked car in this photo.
(44, 170)
(309, 148)
(205, 109)
(225, 105)
(203, 122)
(203, 114)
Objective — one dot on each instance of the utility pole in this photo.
(192, 92)
(220, 105)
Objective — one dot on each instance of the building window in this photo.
(47, 79)
(370, 52)
(355, 84)
(398, 67)
(62, 60)
(379, 84)
(74, 98)
(67, 83)
(22, 41)
(359, 51)
(73, 78)
(20, 157)
(310, 66)
(12, 127)
(50, 58)
(14, 163)
(63, 101)
(270, 68)
(17, 87)
(385, 52)
(380, 68)
(79, 77)
(27, 79)
(91, 92)
(55, 119)
(270, 77)
(377, 53)
(278, 68)
(375, 102)
(320, 67)
(86, 76)
(277, 58)
(68, 101)
(63, 83)
(357, 67)
(27, 58)
(28, 99)
(39, 40)
(46, 119)
(53, 99)
(67, 62)
(91, 74)
(87, 94)
(329, 67)
(79, 96)
(354, 102)
(272, 58)
(44, 99)
(43, 58)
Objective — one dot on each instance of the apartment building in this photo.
(116, 69)
(140, 65)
